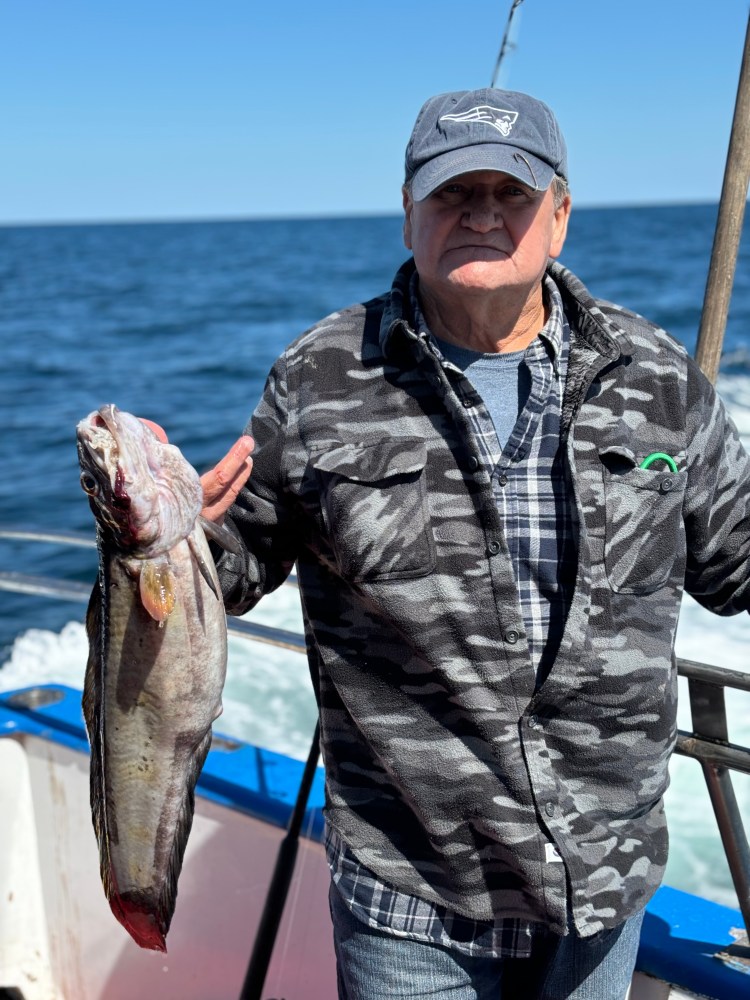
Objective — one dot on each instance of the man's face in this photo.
(483, 232)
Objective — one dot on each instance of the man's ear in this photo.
(407, 203)
(560, 228)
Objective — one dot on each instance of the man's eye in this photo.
(451, 193)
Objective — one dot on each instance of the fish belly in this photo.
(157, 691)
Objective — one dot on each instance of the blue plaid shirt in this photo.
(528, 482)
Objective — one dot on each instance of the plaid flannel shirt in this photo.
(529, 488)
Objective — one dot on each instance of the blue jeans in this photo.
(373, 965)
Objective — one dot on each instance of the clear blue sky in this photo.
(162, 109)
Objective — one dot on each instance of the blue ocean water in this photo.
(181, 323)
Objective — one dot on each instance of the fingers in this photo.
(159, 431)
(222, 483)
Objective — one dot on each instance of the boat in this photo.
(252, 920)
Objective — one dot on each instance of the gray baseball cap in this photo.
(487, 129)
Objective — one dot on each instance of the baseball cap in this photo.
(486, 129)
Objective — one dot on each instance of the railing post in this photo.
(733, 836)
(709, 715)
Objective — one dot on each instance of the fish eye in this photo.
(89, 484)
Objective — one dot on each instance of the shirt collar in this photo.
(551, 334)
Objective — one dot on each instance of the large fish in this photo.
(156, 667)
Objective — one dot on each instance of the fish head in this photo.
(144, 494)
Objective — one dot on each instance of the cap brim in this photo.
(525, 167)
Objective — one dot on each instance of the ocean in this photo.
(181, 322)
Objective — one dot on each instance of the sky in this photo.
(179, 109)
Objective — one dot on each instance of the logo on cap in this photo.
(498, 118)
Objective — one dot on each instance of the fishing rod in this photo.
(506, 43)
(728, 228)
(278, 888)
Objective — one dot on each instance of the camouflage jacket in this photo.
(447, 773)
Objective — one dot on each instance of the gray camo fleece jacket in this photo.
(447, 773)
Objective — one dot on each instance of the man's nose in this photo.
(482, 213)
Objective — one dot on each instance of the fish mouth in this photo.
(102, 435)
(96, 440)
(111, 443)
(108, 414)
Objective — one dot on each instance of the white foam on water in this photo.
(268, 697)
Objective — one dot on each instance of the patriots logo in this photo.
(498, 118)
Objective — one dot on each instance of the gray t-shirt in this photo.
(502, 380)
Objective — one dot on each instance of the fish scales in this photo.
(156, 667)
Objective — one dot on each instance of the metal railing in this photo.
(73, 590)
(708, 743)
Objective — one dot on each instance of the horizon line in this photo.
(312, 217)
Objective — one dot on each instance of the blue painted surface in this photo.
(259, 782)
(681, 933)
(681, 936)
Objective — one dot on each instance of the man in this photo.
(495, 489)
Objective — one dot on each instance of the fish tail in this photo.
(147, 914)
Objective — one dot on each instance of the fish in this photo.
(156, 628)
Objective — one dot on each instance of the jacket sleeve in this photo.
(261, 515)
(717, 503)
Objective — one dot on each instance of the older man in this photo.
(495, 489)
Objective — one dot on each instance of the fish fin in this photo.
(202, 565)
(221, 535)
(90, 701)
(135, 912)
(157, 588)
(92, 712)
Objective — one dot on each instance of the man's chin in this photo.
(481, 275)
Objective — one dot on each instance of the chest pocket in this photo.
(373, 501)
(645, 538)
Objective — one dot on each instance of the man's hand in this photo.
(222, 483)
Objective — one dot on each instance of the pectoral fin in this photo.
(222, 536)
(157, 588)
(201, 564)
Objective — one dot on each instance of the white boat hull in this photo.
(59, 940)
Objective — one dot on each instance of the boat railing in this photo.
(708, 742)
(74, 590)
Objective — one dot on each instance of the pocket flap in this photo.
(622, 468)
(369, 463)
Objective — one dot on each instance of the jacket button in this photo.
(667, 484)
(493, 547)
(550, 808)
(533, 722)
(503, 480)
(511, 636)
(473, 463)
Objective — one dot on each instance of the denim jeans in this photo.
(373, 965)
